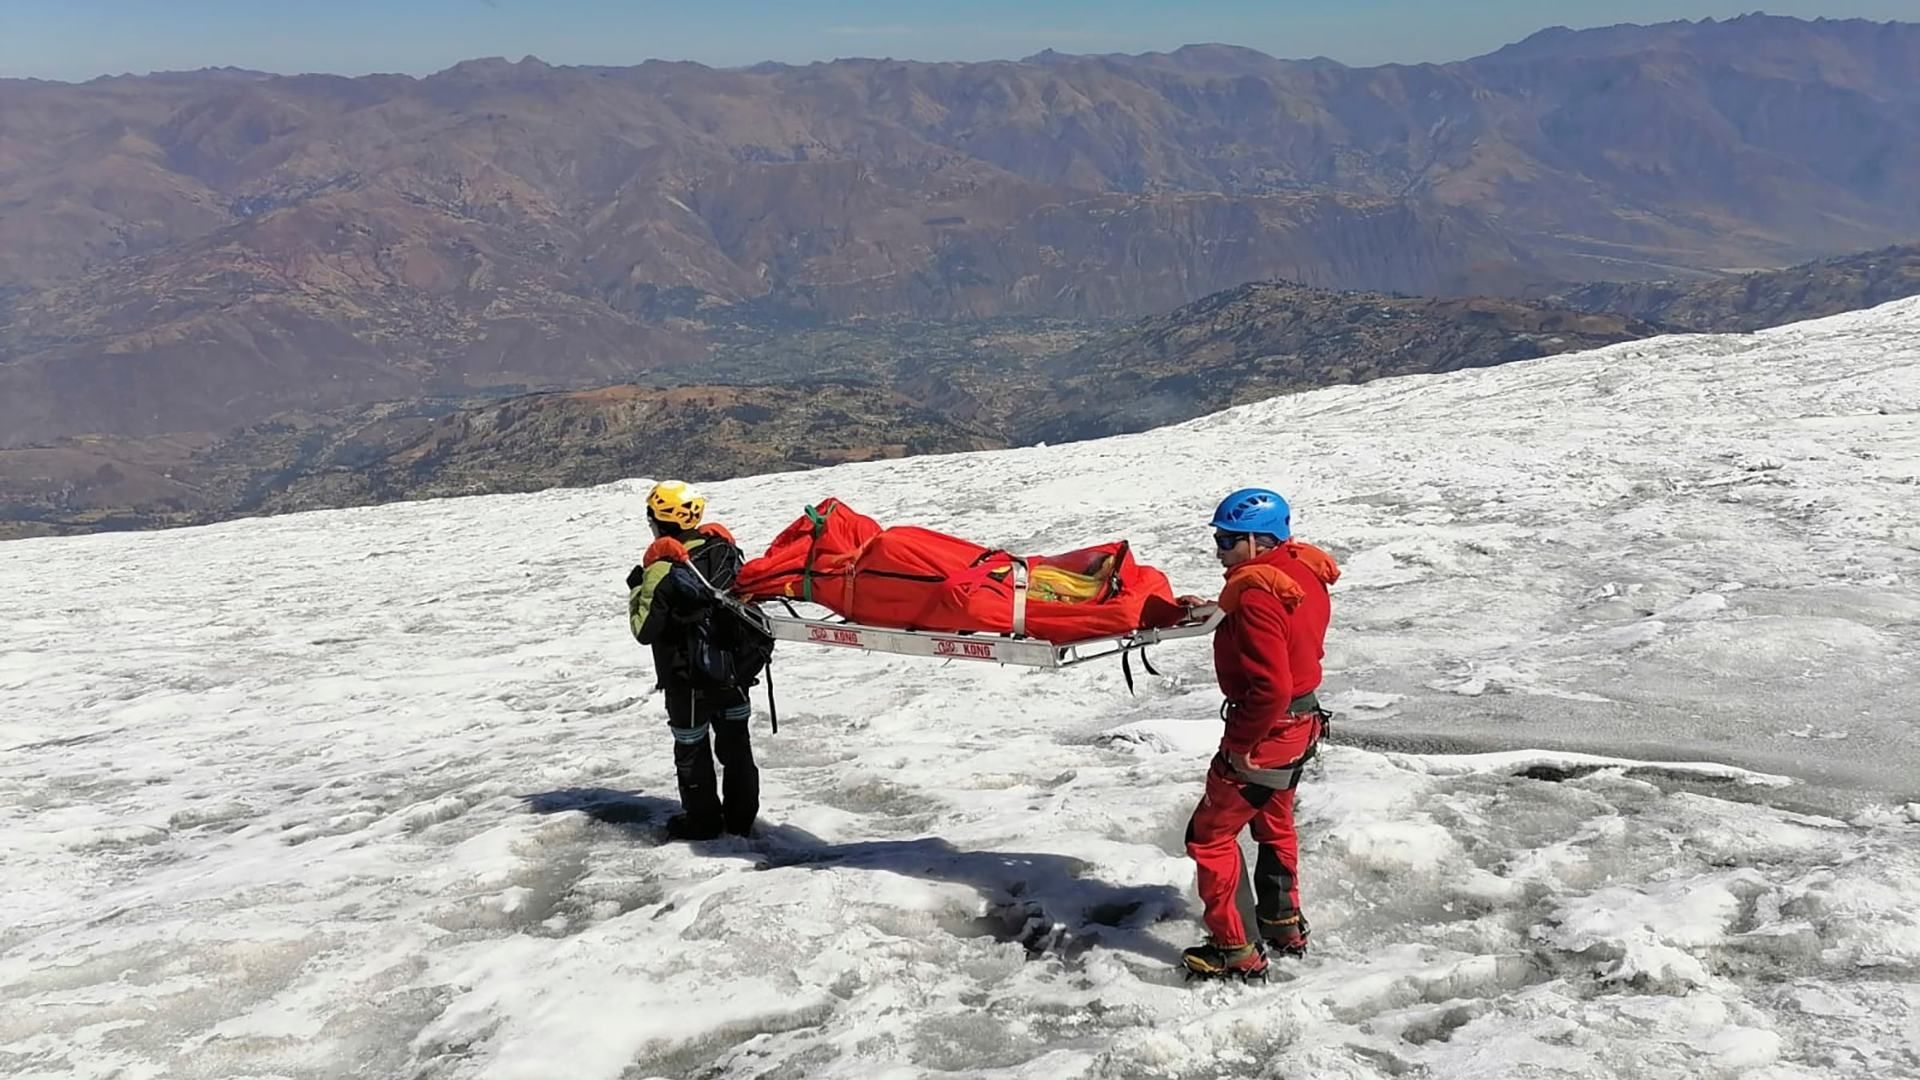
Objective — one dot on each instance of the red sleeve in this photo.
(1267, 670)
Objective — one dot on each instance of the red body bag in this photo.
(911, 578)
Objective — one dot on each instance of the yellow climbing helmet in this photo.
(676, 503)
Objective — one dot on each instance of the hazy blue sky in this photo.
(78, 39)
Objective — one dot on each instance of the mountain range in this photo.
(190, 253)
(879, 389)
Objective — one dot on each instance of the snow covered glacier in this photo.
(1625, 660)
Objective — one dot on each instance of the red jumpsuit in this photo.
(1267, 656)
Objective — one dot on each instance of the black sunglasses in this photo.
(1227, 541)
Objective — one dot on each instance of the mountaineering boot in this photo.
(689, 827)
(1213, 960)
(1287, 935)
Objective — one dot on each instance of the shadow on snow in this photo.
(1044, 901)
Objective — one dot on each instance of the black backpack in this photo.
(727, 646)
(727, 649)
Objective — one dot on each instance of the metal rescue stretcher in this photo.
(1018, 648)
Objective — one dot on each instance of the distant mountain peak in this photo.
(485, 66)
(1209, 56)
(224, 73)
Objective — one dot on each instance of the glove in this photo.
(634, 576)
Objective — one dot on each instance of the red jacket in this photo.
(1267, 651)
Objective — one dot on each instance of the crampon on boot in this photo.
(1213, 961)
(1287, 935)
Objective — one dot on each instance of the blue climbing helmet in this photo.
(1255, 510)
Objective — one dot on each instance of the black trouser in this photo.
(691, 714)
